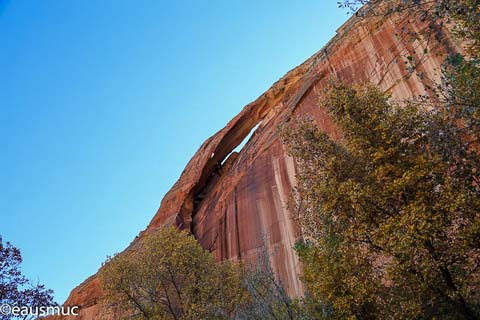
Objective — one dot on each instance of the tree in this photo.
(171, 277)
(391, 211)
(15, 289)
(267, 298)
(461, 94)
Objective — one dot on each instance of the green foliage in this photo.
(390, 211)
(466, 14)
(171, 277)
(461, 88)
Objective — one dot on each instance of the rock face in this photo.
(234, 201)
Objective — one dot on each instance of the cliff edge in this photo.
(232, 201)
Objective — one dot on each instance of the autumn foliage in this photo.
(391, 211)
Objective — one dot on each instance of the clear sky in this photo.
(102, 103)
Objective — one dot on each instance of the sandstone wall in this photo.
(231, 202)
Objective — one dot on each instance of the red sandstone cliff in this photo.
(229, 200)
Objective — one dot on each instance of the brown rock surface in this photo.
(231, 201)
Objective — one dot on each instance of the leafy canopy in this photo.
(171, 277)
(391, 211)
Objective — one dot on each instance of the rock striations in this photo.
(234, 201)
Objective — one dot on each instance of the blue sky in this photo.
(102, 104)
